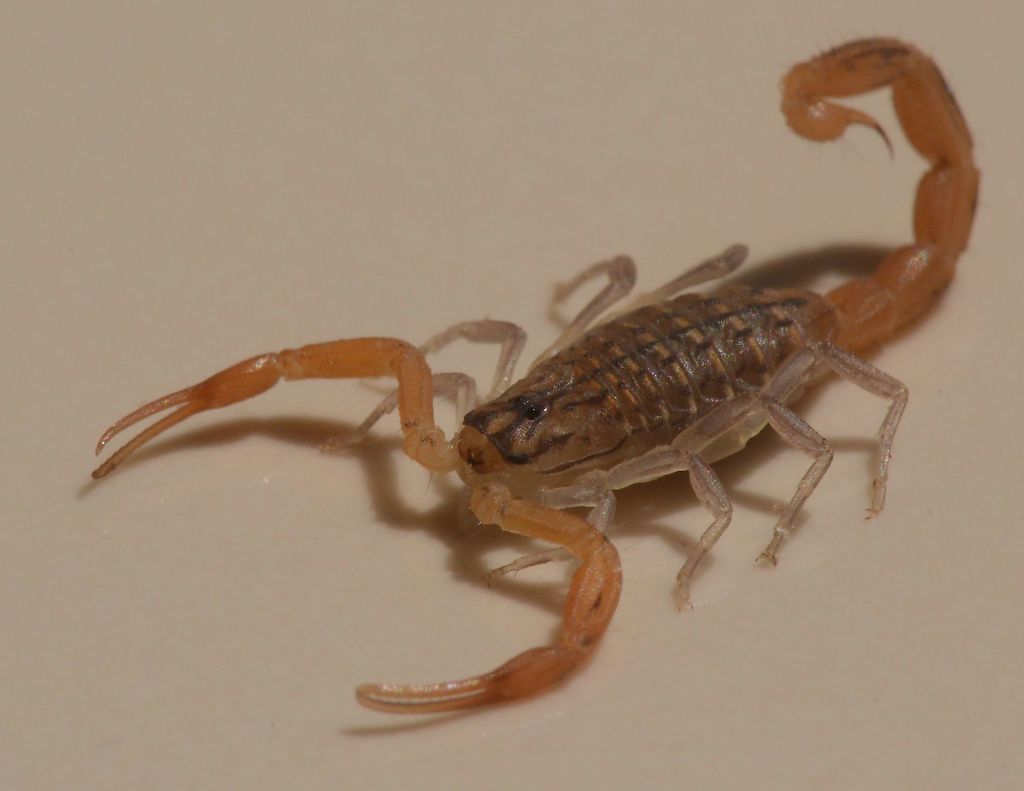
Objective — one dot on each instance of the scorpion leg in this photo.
(458, 385)
(908, 279)
(621, 274)
(745, 415)
(714, 268)
(511, 336)
(869, 378)
(802, 437)
(596, 490)
(709, 490)
(798, 434)
(362, 357)
(590, 604)
(726, 429)
(659, 462)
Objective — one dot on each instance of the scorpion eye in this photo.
(529, 409)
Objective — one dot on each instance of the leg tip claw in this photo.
(767, 558)
(681, 597)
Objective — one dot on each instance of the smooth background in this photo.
(186, 184)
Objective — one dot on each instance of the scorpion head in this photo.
(546, 424)
(509, 432)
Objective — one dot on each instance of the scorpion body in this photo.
(642, 380)
(672, 384)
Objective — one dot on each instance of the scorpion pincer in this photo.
(673, 382)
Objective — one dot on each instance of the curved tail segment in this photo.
(593, 597)
(908, 279)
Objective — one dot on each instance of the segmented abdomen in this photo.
(664, 365)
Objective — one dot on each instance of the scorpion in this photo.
(673, 382)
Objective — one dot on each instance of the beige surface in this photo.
(184, 186)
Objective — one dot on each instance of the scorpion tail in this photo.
(593, 597)
(908, 280)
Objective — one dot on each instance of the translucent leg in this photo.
(621, 274)
(866, 376)
(511, 337)
(658, 463)
(711, 493)
(458, 385)
(714, 268)
(801, 436)
(727, 429)
(596, 490)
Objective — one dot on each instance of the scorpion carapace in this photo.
(669, 385)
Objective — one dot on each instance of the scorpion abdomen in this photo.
(662, 366)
